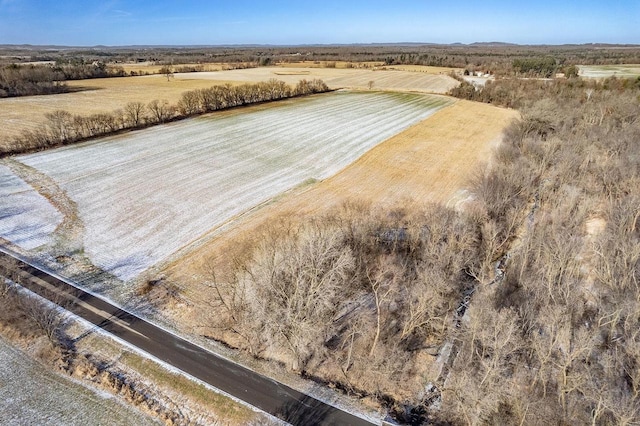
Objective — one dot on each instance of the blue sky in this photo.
(180, 22)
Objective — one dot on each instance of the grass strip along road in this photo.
(262, 392)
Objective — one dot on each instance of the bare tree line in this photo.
(45, 79)
(63, 128)
(520, 93)
(30, 80)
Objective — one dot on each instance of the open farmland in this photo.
(28, 220)
(340, 78)
(94, 96)
(432, 161)
(330, 64)
(422, 68)
(144, 195)
(32, 394)
(604, 71)
(143, 68)
(110, 94)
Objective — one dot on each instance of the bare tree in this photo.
(9, 271)
(59, 125)
(189, 103)
(134, 113)
(167, 71)
(160, 111)
(381, 285)
(48, 318)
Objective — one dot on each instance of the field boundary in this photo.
(59, 132)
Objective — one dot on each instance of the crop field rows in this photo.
(434, 160)
(604, 71)
(144, 195)
(390, 80)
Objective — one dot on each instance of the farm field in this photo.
(370, 65)
(28, 220)
(96, 96)
(151, 68)
(432, 161)
(421, 68)
(144, 195)
(32, 394)
(109, 94)
(325, 64)
(604, 71)
(341, 78)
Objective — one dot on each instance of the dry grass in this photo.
(109, 94)
(339, 78)
(422, 68)
(429, 162)
(224, 407)
(142, 195)
(327, 64)
(151, 68)
(31, 393)
(95, 96)
(171, 389)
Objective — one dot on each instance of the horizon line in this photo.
(248, 45)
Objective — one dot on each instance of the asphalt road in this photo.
(255, 389)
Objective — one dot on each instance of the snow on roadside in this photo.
(27, 219)
(31, 394)
(145, 195)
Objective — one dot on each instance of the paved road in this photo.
(260, 391)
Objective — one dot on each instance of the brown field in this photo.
(326, 64)
(151, 68)
(422, 68)
(97, 95)
(109, 94)
(370, 65)
(432, 161)
(339, 78)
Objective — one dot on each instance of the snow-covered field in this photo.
(26, 218)
(604, 71)
(144, 195)
(32, 395)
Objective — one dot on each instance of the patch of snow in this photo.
(478, 81)
(31, 394)
(144, 195)
(27, 219)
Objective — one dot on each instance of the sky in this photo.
(212, 22)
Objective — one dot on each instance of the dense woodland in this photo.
(527, 300)
(555, 340)
(45, 79)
